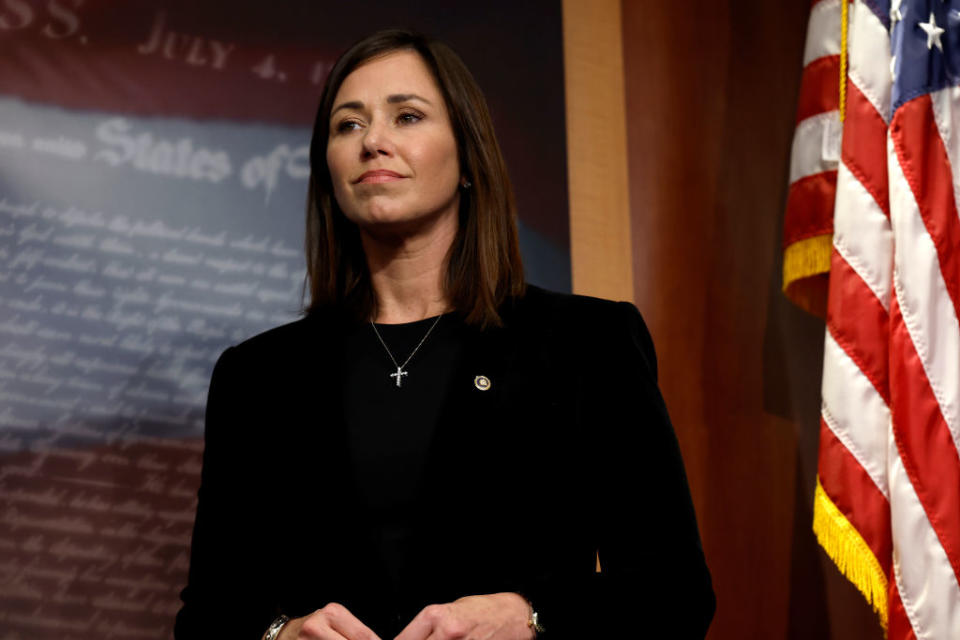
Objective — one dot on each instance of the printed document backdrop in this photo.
(153, 172)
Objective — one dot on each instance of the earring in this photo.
(466, 184)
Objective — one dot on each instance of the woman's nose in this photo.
(377, 141)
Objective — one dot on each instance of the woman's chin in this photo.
(380, 214)
(393, 223)
(391, 228)
(388, 222)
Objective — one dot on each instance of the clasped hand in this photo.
(496, 616)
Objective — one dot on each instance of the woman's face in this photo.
(391, 152)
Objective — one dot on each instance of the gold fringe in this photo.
(848, 550)
(803, 261)
(844, 27)
(808, 257)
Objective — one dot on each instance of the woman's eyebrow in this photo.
(392, 99)
(405, 97)
(355, 104)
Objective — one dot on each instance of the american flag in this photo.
(808, 225)
(887, 505)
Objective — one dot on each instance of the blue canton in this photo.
(925, 43)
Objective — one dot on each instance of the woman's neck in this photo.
(408, 276)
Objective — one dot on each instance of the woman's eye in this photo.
(409, 118)
(347, 125)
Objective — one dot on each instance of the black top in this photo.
(390, 427)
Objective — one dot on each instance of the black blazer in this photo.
(569, 452)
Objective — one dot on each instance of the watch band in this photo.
(275, 628)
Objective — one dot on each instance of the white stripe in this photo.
(823, 31)
(862, 235)
(869, 58)
(855, 412)
(927, 309)
(946, 112)
(816, 145)
(925, 579)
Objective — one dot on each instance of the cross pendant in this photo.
(398, 375)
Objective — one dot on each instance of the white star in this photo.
(893, 68)
(895, 14)
(933, 32)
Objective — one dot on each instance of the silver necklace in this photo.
(400, 371)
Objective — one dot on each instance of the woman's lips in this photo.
(378, 176)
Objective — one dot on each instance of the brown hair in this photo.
(484, 267)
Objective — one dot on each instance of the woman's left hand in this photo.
(496, 616)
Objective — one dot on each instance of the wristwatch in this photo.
(533, 621)
(275, 627)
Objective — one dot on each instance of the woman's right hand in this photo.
(333, 622)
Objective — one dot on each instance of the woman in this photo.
(436, 450)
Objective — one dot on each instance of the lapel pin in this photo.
(481, 382)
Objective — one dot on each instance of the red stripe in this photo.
(898, 624)
(810, 207)
(926, 447)
(864, 148)
(859, 323)
(926, 166)
(819, 87)
(855, 495)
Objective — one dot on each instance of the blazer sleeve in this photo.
(225, 593)
(654, 580)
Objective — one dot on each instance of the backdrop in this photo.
(153, 172)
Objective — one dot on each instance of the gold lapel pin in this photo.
(482, 383)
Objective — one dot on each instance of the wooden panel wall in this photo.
(600, 245)
(710, 94)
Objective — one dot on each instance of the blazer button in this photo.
(482, 382)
